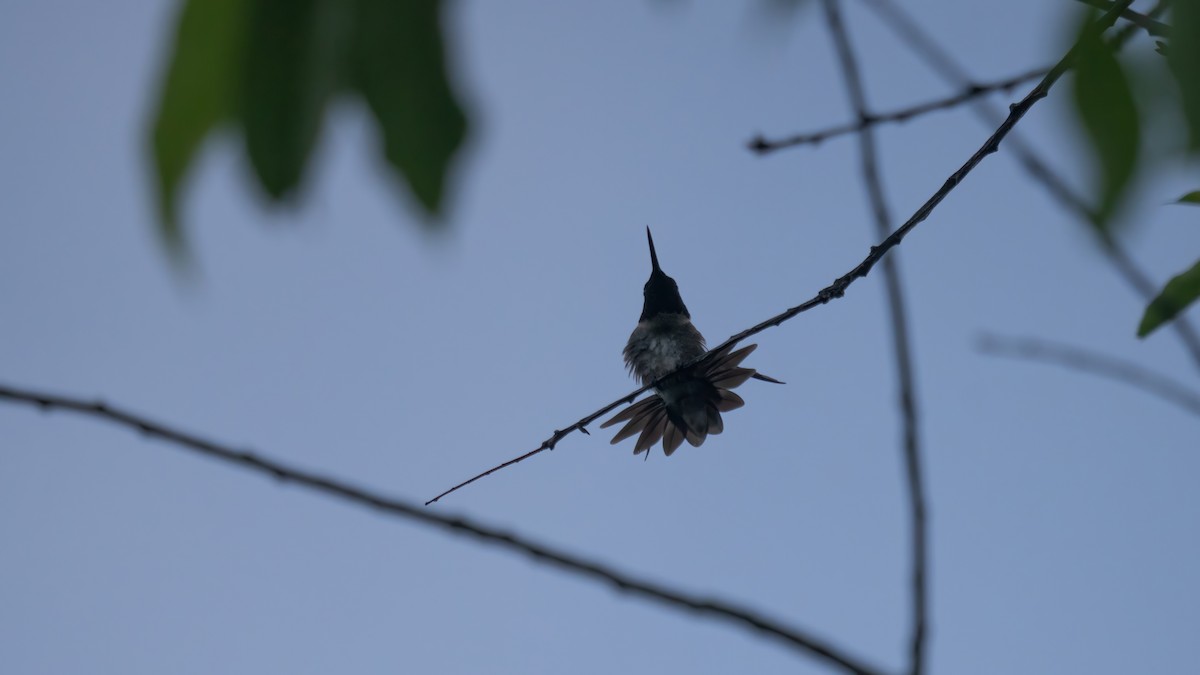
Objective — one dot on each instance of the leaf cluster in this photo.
(1111, 111)
(269, 69)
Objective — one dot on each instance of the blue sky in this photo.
(340, 336)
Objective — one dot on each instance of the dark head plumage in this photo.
(661, 292)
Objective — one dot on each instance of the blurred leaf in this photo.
(272, 67)
(198, 94)
(1104, 102)
(1179, 292)
(1189, 198)
(399, 66)
(1183, 57)
(291, 70)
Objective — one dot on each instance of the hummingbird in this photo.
(688, 404)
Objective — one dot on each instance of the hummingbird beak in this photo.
(653, 255)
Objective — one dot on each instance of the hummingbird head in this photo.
(661, 292)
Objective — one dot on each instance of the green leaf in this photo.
(293, 55)
(1190, 198)
(1105, 105)
(399, 67)
(197, 95)
(1179, 292)
(1183, 58)
(271, 67)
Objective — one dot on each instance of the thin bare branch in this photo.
(765, 146)
(1146, 23)
(949, 69)
(543, 553)
(1077, 358)
(838, 288)
(548, 444)
(901, 346)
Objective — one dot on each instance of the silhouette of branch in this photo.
(949, 69)
(901, 347)
(543, 553)
(1076, 358)
(1146, 23)
(549, 443)
(838, 288)
(765, 146)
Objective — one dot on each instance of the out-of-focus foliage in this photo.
(1107, 108)
(1105, 105)
(1179, 292)
(199, 93)
(1183, 57)
(269, 68)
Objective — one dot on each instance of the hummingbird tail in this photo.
(694, 412)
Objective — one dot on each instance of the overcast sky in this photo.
(340, 336)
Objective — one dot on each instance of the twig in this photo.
(1076, 358)
(541, 552)
(901, 347)
(549, 443)
(1146, 23)
(764, 146)
(838, 288)
(946, 66)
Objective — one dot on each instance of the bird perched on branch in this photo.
(688, 404)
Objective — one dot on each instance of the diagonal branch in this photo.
(1076, 358)
(1149, 24)
(949, 69)
(548, 444)
(543, 553)
(765, 146)
(901, 343)
(838, 288)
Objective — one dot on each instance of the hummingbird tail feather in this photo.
(656, 426)
(729, 401)
(672, 439)
(632, 411)
(715, 424)
(650, 421)
(694, 412)
(643, 411)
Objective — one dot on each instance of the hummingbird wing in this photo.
(727, 360)
(766, 378)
